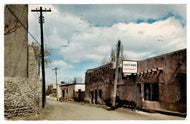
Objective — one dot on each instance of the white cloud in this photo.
(92, 43)
(139, 39)
(61, 64)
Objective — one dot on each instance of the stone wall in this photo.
(23, 96)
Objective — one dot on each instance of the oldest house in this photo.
(159, 84)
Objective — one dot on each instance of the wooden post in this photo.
(116, 76)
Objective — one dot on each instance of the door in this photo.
(92, 96)
(79, 95)
(96, 97)
(63, 93)
(138, 96)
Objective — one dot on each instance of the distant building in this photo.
(73, 91)
(159, 84)
(53, 89)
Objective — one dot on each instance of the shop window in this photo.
(100, 93)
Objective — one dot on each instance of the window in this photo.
(147, 91)
(100, 93)
(155, 92)
(151, 91)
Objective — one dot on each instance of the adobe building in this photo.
(75, 91)
(159, 84)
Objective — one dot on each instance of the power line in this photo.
(23, 25)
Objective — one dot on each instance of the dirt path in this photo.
(79, 111)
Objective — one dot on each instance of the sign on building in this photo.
(129, 66)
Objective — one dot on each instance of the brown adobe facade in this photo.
(159, 84)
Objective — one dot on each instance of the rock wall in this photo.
(23, 96)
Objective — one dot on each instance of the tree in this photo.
(121, 54)
(112, 56)
(48, 91)
(104, 61)
(37, 53)
(74, 80)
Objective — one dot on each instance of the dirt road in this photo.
(78, 111)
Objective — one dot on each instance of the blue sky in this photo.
(94, 29)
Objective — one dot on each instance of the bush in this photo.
(48, 92)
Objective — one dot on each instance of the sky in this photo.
(82, 35)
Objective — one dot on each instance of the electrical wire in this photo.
(23, 25)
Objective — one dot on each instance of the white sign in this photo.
(129, 66)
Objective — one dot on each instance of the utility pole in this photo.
(116, 75)
(41, 21)
(56, 81)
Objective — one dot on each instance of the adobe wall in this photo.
(126, 91)
(15, 44)
(173, 64)
(99, 79)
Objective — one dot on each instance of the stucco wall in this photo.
(15, 44)
(170, 66)
(173, 64)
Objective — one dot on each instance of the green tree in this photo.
(48, 91)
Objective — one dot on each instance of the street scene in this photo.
(95, 62)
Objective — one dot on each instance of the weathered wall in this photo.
(15, 44)
(23, 96)
(71, 91)
(163, 70)
(126, 91)
(22, 88)
(99, 79)
(173, 64)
